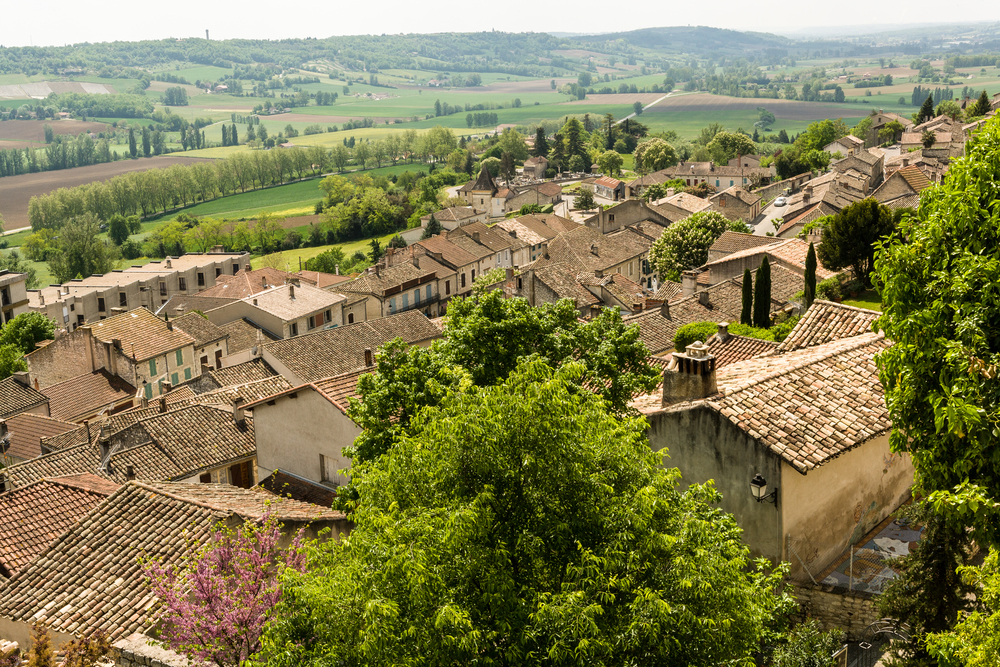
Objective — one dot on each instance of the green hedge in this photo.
(689, 333)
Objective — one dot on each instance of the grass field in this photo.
(42, 272)
(290, 258)
(251, 204)
(868, 299)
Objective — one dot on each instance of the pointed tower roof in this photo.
(485, 182)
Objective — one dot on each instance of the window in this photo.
(392, 305)
(520, 285)
(163, 288)
(731, 183)
(327, 469)
(181, 284)
(428, 291)
(187, 373)
(722, 202)
(447, 287)
(716, 182)
(406, 301)
(152, 366)
(416, 295)
(294, 329)
(463, 280)
(473, 275)
(204, 361)
(201, 279)
(100, 304)
(174, 380)
(350, 318)
(123, 299)
(205, 478)
(236, 269)
(611, 217)
(312, 322)
(218, 359)
(630, 268)
(329, 316)
(218, 272)
(147, 391)
(180, 357)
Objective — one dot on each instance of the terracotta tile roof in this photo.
(683, 200)
(179, 304)
(547, 189)
(246, 283)
(387, 278)
(627, 292)
(471, 248)
(289, 303)
(667, 290)
(915, 178)
(248, 371)
(243, 335)
(657, 330)
(649, 229)
(288, 485)
(731, 242)
(737, 348)
(811, 405)
(332, 352)
(180, 394)
(199, 328)
(586, 249)
(608, 182)
(89, 578)
(341, 388)
(83, 395)
(826, 321)
(16, 397)
(27, 430)
(77, 436)
(455, 214)
(484, 183)
(808, 215)
(528, 229)
(709, 169)
(747, 198)
(143, 335)
(248, 391)
(792, 251)
(785, 284)
(563, 280)
(35, 515)
(556, 222)
(906, 201)
(320, 279)
(69, 461)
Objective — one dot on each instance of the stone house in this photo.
(25, 432)
(731, 242)
(847, 145)
(535, 167)
(391, 287)
(902, 188)
(626, 214)
(18, 394)
(609, 188)
(455, 216)
(542, 194)
(210, 342)
(736, 204)
(678, 206)
(285, 311)
(587, 250)
(13, 295)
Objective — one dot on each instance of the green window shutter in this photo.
(187, 373)
(148, 391)
(180, 357)
(173, 379)
(152, 366)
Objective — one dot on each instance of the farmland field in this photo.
(34, 130)
(17, 191)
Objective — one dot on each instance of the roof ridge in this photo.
(173, 496)
(805, 360)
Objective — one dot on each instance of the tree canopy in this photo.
(684, 245)
(938, 279)
(522, 523)
(851, 236)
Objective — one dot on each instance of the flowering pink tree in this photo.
(216, 604)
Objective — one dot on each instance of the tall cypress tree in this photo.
(926, 110)
(146, 145)
(541, 147)
(746, 316)
(809, 294)
(981, 107)
(133, 150)
(762, 296)
(234, 137)
(225, 134)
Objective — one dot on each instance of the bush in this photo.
(782, 329)
(131, 250)
(292, 240)
(702, 331)
(829, 289)
(809, 647)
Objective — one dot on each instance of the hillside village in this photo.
(194, 390)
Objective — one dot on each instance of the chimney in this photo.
(637, 307)
(665, 309)
(416, 261)
(598, 273)
(723, 333)
(906, 161)
(336, 269)
(690, 375)
(593, 249)
(294, 281)
(41, 298)
(22, 378)
(703, 298)
(369, 358)
(513, 233)
(116, 343)
(815, 237)
(168, 264)
(247, 267)
(3, 429)
(166, 388)
(263, 282)
(162, 404)
(255, 302)
(376, 270)
(238, 417)
(689, 283)
(475, 236)
(104, 444)
(170, 325)
(671, 192)
(129, 473)
(291, 291)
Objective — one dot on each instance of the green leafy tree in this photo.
(513, 143)
(433, 228)
(49, 134)
(26, 330)
(572, 133)
(118, 229)
(521, 521)
(80, 252)
(727, 145)
(821, 133)
(654, 155)
(507, 167)
(41, 653)
(936, 278)
(637, 108)
(975, 640)
(14, 263)
(807, 646)
(610, 163)
(809, 293)
(584, 200)
(746, 313)
(38, 245)
(949, 108)
(11, 361)
(890, 132)
(684, 245)
(762, 295)
(929, 593)
(927, 138)
(851, 236)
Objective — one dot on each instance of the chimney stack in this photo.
(170, 325)
(665, 309)
(369, 358)
(291, 291)
(104, 444)
(475, 236)
(690, 376)
(129, 473)
(238, 410)
(247, 267)
(336, 269)
(689, 283)
(703, 298)
(723, 333)
(22, 378)
(162, 404)
(906, 161)
(169, 264)
(41, 298)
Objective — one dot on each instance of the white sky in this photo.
(59, 22)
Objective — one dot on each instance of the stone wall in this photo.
(137, 651)
(851, 611)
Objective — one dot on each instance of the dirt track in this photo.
(17, 191)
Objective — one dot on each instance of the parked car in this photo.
(780, 201)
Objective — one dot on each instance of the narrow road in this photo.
(15, 231)
(670, 94)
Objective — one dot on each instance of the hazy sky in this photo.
(59, 22)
